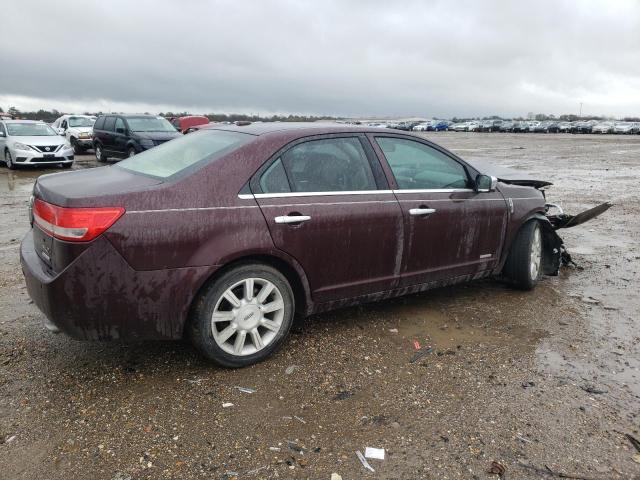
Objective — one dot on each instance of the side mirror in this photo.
(486, 183)
(61, 131)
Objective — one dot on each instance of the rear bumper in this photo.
(98, 296)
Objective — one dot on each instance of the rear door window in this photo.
(99, 124)
(328, 165)
(110, 123)
(419, 166)
(274, 179)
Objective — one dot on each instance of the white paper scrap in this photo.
(376, 453)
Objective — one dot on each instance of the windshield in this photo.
(150, 124)
(177, 155)
(81, 122)
(29, 130)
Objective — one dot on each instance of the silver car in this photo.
(29, 142)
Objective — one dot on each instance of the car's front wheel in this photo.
(524, 263)
(8, 160)
(77, 149)
(242, 317)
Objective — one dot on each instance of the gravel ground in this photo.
(543, 382)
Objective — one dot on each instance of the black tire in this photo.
(66, 165)
(199, 329)
(100, 155)
(77, 149)
(8, 160)
(518, 269)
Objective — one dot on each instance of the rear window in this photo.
(177, 155)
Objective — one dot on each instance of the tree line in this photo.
(51, 115)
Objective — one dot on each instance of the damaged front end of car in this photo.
(555, 253)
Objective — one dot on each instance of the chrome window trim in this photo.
(433, 190)
(312, 194)
(245, 196)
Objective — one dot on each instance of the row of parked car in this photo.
(514, 126)
(32, 142)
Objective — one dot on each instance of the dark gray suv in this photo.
(122, 136)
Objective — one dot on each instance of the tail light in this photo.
(74, 224)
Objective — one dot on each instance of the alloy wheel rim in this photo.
(8, 159)
(99, 153)
(535, 255)
(248, 316)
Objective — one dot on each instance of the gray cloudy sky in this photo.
(441, 58)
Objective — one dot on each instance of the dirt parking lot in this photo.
(546, 382)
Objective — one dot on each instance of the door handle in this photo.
(421, 211)
(287, 219)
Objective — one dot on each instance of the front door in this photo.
(451, 230)
(327, 204)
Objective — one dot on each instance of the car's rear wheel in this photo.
(131, 152)
(100, 156)
(8, 160)
(523, 265)
(242, 317)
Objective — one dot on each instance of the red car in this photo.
(186, 124)
(223, 234)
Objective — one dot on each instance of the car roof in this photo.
(23, 121)
(317, 128)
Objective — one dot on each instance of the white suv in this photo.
(78, 129)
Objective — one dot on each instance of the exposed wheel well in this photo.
(282, 266)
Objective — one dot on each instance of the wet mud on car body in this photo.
(187, 225)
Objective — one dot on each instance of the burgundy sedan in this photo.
(223, 235)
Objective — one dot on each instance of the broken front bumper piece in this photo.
(555, 254)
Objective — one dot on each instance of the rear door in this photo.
(450, 229)
(107, 135)
(327, 204)
(120, 137)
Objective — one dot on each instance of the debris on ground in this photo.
(420, 354)
(496, 468)
(245, 389)
(343, 395)
(375, 453)
(364, 462)
(121, 476)
(335, 476)
(393, 330)
(594, 390)
(295, 447)
(299, 419)
(634, 441)
(227, 405)
(9, 439)
(528, 384)
(290, 369)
